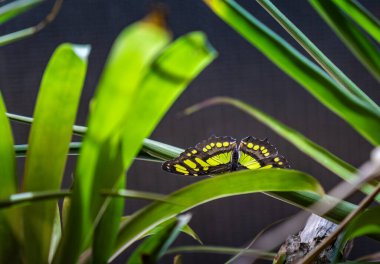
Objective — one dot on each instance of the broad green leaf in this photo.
(359, 115)
(222, 250)
(361, 16)
(155, 246)
(313, 150)
(317, 54)
(359, 44)
(16, 8)
(130, 57)
(9, 220)
(210, 189)
(44, 166)
(107, 228)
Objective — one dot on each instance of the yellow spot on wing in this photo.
(225, 144)
(280, 163)
(201, 162)
(256, 147)
(204, 150)
(212, 162)
(188, 154)
(219, 145)
(249, 145)
(262, 148)
(180, 167)
(190, 163)
(208, 147)
(266, 154)
(194, 151)
(212, 144)
(267, 167)
(277, 159)
(264, 151)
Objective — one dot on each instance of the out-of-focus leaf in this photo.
(56, 233)
(155, 246)
(359, 115)
(61, 87)
(359, 44)
(129, 60)
(222, 250)
(108, 227)
(368, 222)
(313, 50)
(362, 16)
(9, 220)
(313, 150)
(210, 189)
(16, 8)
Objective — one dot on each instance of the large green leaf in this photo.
(155, 246)
(317, 54)
(359, 115)
(359, 44)
(362, 16)
(130, 58)
(60, 89)
(313, 150)
(9, 220)
(210, 189)
(16, 8)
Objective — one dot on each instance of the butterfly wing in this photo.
(211, 156)
(259, 154)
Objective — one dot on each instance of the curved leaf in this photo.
(16, 8)
(210, 189)
(317, 54)
(61, 87)
(313, 150)
(359, 44)
(362, 16)
(155, 246)
(358, 114)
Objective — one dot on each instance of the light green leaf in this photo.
(359, 115)
(210, 189)
(9, 219)
(130, 57)
(362, 16)
(16, 8)
(155, 246)
(313, 50)
(359, 44)
(61, 87)
(310, 148)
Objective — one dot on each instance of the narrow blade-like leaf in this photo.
(16, 8)
(359, 115)
(9, 220)
(317, 54)
(359, 44)
(210, 189)
(155, 246)
(60, 89)
(361, 16)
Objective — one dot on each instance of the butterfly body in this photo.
(218, 155)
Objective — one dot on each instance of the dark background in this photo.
(240, 71)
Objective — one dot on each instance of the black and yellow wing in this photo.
(211, 156)
(255, 154)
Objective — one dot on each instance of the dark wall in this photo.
(240, 71)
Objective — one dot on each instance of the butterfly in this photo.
(218, 155)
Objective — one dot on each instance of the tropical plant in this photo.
(90, 226)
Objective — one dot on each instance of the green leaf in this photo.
(9, 219)
(155, 246)
(359, 44)
(108, 227)
(15, 8)
(317, 54)
(361, 16)
(368, 222)
(359, 115)
(61, 87)
(310, 148)
(130, 57)
(210, 189)
(222, 250)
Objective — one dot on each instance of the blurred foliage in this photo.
(145, 73)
